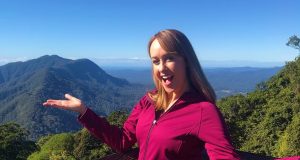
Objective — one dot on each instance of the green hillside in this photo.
(13, 142)
(24, 86)
(267, 121)
(80, 145)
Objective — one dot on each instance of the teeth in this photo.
(165, 77)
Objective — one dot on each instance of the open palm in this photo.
(71, 103)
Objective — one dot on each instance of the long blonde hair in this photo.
(175, 41)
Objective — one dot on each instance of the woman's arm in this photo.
(214, 133)
(119, 139)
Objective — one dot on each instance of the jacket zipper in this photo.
(154, 123)
(148, 137)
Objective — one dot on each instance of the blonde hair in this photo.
(175, 41)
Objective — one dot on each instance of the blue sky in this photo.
(232, 30)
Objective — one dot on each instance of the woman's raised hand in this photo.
(71, 103)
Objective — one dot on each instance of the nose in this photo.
(161, 67)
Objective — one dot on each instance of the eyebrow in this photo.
(168, 54)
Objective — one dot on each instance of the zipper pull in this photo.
(154, 122)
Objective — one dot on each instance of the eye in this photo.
(155, 61)
(170, 58)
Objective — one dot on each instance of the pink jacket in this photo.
(188, 127)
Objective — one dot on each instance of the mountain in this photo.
(225, 81)
(24, 86)
(267, 120)
(230, 81)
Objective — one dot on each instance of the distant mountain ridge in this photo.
(16, 69)
(24, 86)
(225, 81)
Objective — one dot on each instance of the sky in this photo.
(245, 32)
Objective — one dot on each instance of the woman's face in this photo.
(169, 69)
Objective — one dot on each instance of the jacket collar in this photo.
(187, 97)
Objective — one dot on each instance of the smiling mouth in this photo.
(167, 79)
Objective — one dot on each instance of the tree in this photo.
(117, 118)
(58, 146)
(81, 145)
(14, 143)
(294, 42)
(288, 144)
(87, 147)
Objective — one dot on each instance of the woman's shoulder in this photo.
(196, 97)
(209, 111)
(206, 106)
(200, 102)
(149, 96)
(146, 99)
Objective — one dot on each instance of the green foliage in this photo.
(43, 140)
(294, 42)
(59, 146)
(100, 152)
(266, 121)
(14, 143)
(289, 142)
(80, 145)
(117, 118)
(87, 147)
(61, 155)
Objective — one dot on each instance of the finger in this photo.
(69, 97)
(47, 103)
(57, 106)
(52, 102)
(61, 104)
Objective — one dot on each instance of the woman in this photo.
(177, 120)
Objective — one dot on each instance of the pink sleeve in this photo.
(119, 139)
(214, 134)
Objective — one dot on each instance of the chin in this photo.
(169, 90)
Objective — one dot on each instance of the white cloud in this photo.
(122, 62)
(5, 60)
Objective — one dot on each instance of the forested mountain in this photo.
(24, 86)
(267, 121)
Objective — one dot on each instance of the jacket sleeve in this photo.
(214, 134)
(117, 138)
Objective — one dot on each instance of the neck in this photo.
(174, 96)
(179, 92)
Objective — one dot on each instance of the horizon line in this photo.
(145, 61)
